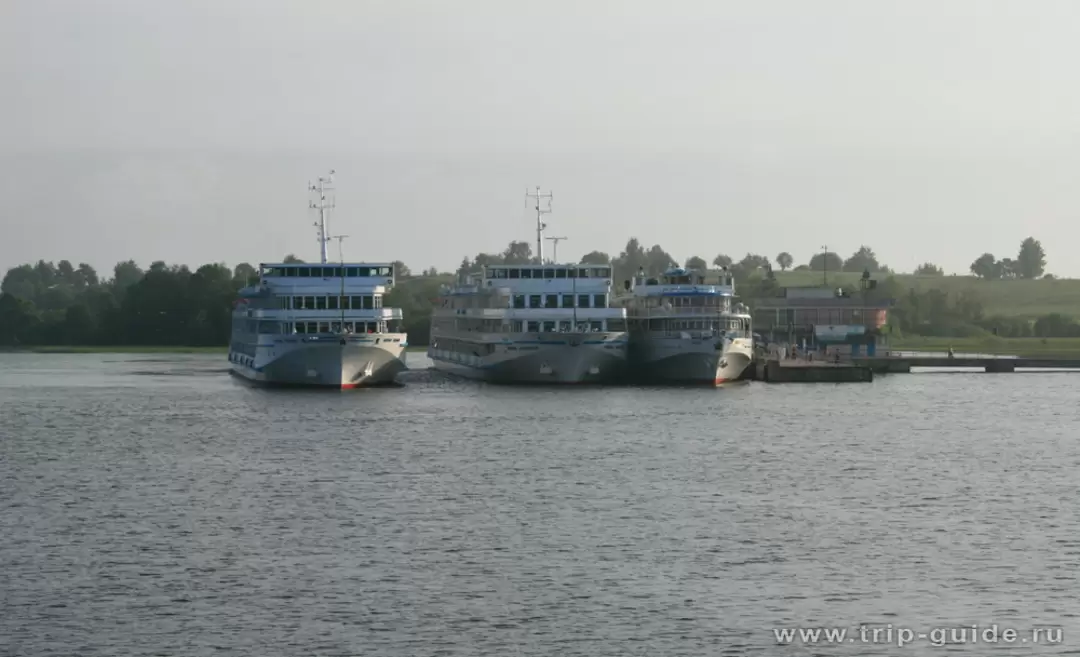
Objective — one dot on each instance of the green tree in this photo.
(785, 260)
(244, 275)
(1031, 261)
(722, 260)
(292, 259)
(985, 266)
(862, 260)
(19, 320)
(696, 263)
(401, 270)
(826, 261)
(929, 269)
(595, 258)
(518, 253)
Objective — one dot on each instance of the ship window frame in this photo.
(567, 301)
(587, 298)
(548, 274)
(536, 301)
(519, 301)
(548, 298)
(561, 273)
(513, 273)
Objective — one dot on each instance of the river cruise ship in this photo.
(318, 324)
(686, 329)
(550, 323)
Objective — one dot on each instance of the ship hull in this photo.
(532, 363)
(686, 361)
(325, 364)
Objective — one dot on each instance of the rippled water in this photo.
(154, 505)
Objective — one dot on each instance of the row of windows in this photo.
(684, 302)
(669, 325)
(767, 318)
(271, 327)
(532, 301)
(328, 271)
(362, 302)
(517, 326)
(549, 272)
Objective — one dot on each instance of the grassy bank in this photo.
(1034, 347)
(1008, 298)
(137, 349)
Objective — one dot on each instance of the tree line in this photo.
(171, 305)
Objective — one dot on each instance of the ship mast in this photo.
(341, 257)
(540, 225)
(323, 206)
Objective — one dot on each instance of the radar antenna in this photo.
(555, 247)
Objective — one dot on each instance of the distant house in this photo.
(822, 316)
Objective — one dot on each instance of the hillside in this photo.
(1009, 298)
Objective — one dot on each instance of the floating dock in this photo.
(802, 371)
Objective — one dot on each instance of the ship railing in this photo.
(681, 311)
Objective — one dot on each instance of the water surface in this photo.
(153, 505)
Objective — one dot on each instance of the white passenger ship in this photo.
(318, 324)
(684, 329)
(531, 323)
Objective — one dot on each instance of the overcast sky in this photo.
(187, 130)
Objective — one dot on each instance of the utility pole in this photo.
(323, 206)
(540, 225)
(555, 248)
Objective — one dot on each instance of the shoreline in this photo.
(136, 349)
(1023, 347)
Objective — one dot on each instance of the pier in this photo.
(805, 371)
(996, 364)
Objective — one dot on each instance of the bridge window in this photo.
(600, 301)
(560, 273)
(331, 303)
(551, 301)
(567, 301)
(549, 273)
(583, 300)
(514, 273)
(320, 303)
(534, 301)
(519, 300)
(533, 327)
(549, 327)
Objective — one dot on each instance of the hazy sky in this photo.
(186, 130)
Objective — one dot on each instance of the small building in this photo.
(820, 317)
